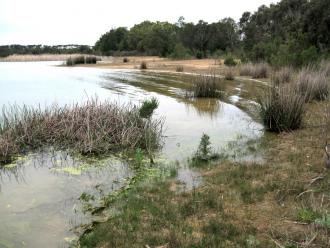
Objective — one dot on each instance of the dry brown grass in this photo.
(258, 70)
(229, 74)
(312, 84)
(283, 75)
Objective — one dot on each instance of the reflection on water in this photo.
(39, 194)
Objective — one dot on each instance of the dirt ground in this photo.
(161, 64)
(134, 62)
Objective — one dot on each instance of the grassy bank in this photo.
(90, 128)
(283, 202)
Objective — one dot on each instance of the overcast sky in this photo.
(83, 21)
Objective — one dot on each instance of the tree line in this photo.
(42, 49)
(291, 32)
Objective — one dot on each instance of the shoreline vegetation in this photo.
(91, 128)
(281, 201)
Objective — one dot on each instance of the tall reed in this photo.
(312, 84)
(258, 70)
(282, 108)
(206, 86)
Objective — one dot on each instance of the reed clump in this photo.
(179, 68)
(282, 108)
(91, 128)
(258, 70)
(283, 75)
(206, 86)
(312, 84)
(81, 60)
(143, 65)
(229, 74)
(325, 67)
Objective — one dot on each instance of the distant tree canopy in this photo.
(40, 49)
(292, 32)
(166, 39)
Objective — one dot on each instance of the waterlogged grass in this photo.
(281, 202)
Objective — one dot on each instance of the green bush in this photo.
(230, 61)
(148, 107)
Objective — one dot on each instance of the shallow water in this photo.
(39, 197)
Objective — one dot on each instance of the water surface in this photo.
(39, 202)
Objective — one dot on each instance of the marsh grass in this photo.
(282, 108)
(283, 75)
(143, 65)
(229, 74)
(258, 70)
(179, 68)
(90, 128)
(325, 67)
(312, 84)
(205, 86)
(239, 204)
(81, 60)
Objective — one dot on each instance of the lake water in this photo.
(39, 194)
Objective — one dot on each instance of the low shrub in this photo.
(125, 60)
(230, 61)
(282, 108)
(148, 107)
(91, 128)
(312, 84)
(90, 60)
(143, 65)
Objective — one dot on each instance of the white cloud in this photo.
(83, 21)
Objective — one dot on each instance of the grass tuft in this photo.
(313, 85)
(143, 65)
(283, 76)
(259, 70)
(282, 108)
(206, 86)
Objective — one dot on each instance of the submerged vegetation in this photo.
(90, 128)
